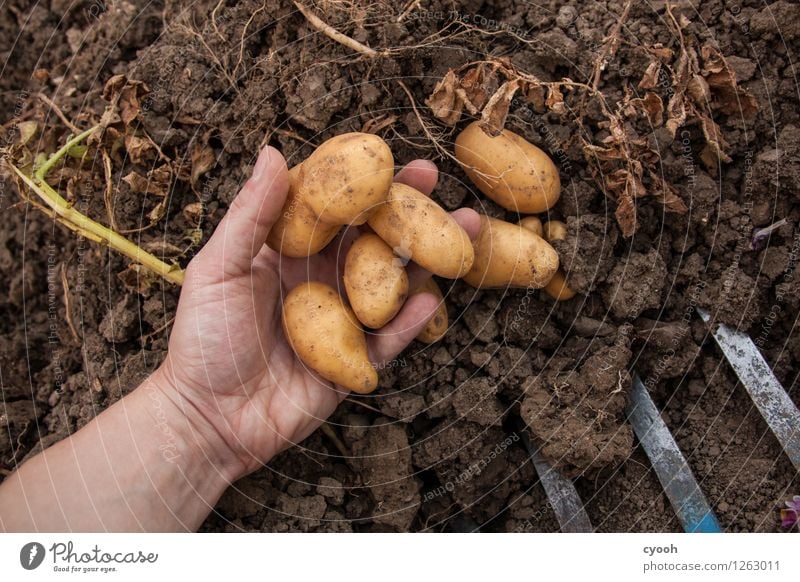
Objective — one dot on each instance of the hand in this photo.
(229, 366)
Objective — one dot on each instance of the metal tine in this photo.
(561, 492)
(772, 401)
(677, 479)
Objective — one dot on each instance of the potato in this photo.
(342, 182)
(419, 229)
(508, 169)
(554, 230)
(436, 328)
(508, 255)
(375, 280)
(326, 336)
(347, 178)
(298, 232)
(557, 288)
(533, 224)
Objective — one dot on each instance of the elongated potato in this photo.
(419, 229)
(508, 255)
(533, 224)
(347, 178)
(436, 328)
(298, 232)
(326, 336)
(342, 182)
(557, 288)
(508, 169)
(375, 279)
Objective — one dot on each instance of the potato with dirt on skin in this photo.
(557, 288)
(326, 336)
(420, 230)
(508, 169)
(298, 232)
(436, 328)
(533, 224)
(508, 255)
(341, 183)
(375, 279)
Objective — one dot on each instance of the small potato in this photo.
(347, 177)
(375, 279)
(554, 230)
(557, 288)
(508, 255)
(298, 232)
(436, 328)
(325, 335)
(419, 229)
(533, 224)
(508, 169)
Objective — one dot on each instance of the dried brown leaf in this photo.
(203, 159)
(493, 119)
(140, 149)
(729, 98)
(444, 102)
(474, 88)
(555, 101)
(650, 77)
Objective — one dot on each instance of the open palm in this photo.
(229, 364)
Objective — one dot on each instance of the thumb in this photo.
(242, 232)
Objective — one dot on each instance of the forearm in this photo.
(141, 465)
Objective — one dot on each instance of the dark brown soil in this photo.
(435, 447)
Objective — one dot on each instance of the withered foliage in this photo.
(622, 162)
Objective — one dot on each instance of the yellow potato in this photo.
(436, 328)
(375, 280)
(298, 232)
(554, 230)
(419, 229)
(342, 182)
(508, 169)
(533, 224)
(347, 177)
(326, 336)
(508, 255)
(557, 288)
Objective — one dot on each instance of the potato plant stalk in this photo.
(67, 215)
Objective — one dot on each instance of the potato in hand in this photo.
(417, 228)
(375, 280)
(326, 336)
(342, 182)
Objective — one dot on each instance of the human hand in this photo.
(229, 367)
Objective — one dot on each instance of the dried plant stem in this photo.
(334, 34)
(611, 45)
(328, 431)
(64, 212)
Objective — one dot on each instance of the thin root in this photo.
(334, 34)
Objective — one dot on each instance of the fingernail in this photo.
(261, 163)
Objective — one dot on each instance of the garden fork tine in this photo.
(772, 401)
(677, 479)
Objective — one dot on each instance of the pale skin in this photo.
(230, 394)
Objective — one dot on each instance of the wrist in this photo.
(187, 435)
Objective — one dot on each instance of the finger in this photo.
(467, 219)
(419, 174)
(242, 232)
(393, 338)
